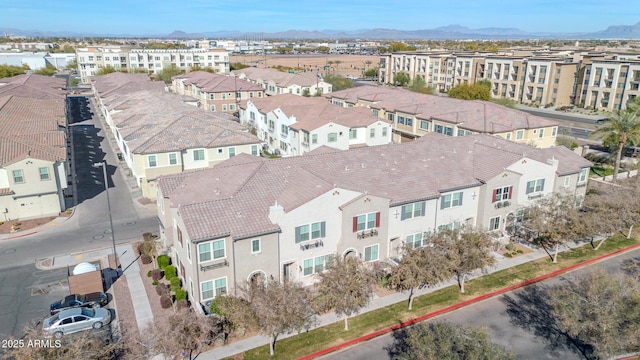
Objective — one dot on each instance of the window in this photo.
(519, 134)
(502, 193)
(366, 221)
(450, 226)
(220, 151)
(438, 129)
(310, 231)
(255, 246)
(232, 152)
(210, 289)
(18, 176)
(535, 186)
(198, 155)
(583, 175)
(413, 210)
(384, 132)
(494, 223)
(224, 107)
(451, 200)
(179, 236)
(541, 133)
(371, 253)
(44, 173)
(314, 138)
(284, 130)
(567, 181)
(206, 290)
(211, 250)
(152, 160)
(221, 286)
(173, 159)
(315, 265)
(254, 150)
(332, 137)
(424, 125)
(416, 240)
(372, 133)
(353, 133)
(213, 108)
(508, 136)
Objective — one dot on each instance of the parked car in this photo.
(96, 299)
(74, 320)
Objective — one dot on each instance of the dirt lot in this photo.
(7, 227)
(339, 64)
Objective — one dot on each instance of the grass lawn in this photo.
(600, 170)
(333, 334)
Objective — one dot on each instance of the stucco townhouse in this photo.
(33, 147)
(214, 92)
(276, 82)
(414, 115)
(249, 218)
(158, 135)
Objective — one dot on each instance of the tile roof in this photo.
(403, 173)
(314, 112)
(214, 83)
(32, 127)
(476, 116)
(33, 86)
(152, 120)
(280, 78)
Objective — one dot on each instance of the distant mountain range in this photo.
(454, 32)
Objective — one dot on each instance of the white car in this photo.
(74, 320)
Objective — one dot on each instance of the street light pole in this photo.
(103, 165)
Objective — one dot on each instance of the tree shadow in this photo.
(530, 310)
(399, 346)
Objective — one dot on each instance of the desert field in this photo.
(346, 65)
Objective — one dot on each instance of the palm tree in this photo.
(621, 129)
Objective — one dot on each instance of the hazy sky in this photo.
(164, 16)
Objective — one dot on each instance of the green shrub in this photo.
(520, 251)
(165, 301)
(170, 272)
(215, 308)
(156, 274)
(175, 284)
(154, 283)
(163, 261)
(508, 255)
(149, 273)
(510, 247)
(181, 295)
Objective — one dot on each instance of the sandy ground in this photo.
(339, 64)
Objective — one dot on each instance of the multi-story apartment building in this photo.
(152, 61)
(415, 115)
(215, 92)
(33, 154)
(284, 218)
(563, 77)
(276, 82)
(158, 135)
(295, 125)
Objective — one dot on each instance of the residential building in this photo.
(277, 82)
(152, 61)
(295, 125)
(414, 115)
(215, 92)
(610, 84)
(33, 153)
(158, 135)
(250, 218)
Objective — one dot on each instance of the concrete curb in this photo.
(38, 228)
(463, 304)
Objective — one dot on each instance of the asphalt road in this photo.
(26, 292)
(518, 320)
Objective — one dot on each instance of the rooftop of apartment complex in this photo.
(240, 191)
(215, 83)
(313, 112)
(32, 114)
(152, 121)
(477, 116)
(282, 79)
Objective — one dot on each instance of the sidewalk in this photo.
(376, 303)
(130, 271)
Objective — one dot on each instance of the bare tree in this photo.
(274, 309)
(418, 267)
(445, 341)
(346, 287)
(601, 310)
(465, 250)
(555, 220)
(185, 333)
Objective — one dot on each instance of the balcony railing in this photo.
(367, 233)
(214, 265)
(502, 204)
(535, 196)
(311, 245)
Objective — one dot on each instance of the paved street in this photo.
(518, 320)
